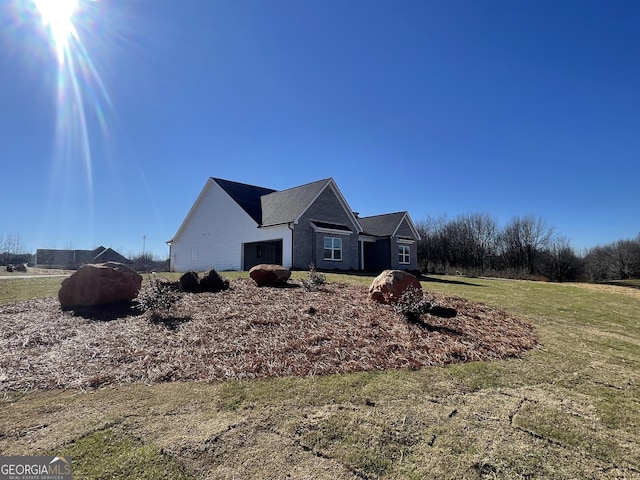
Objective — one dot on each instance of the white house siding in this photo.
(214, 232)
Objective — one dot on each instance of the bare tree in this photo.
(431, 246)
(560, 261)
(483, 230)
(468, 242)
(625, 258)
(619, 260)
(11, 245)
(523, 238)
(598, 263)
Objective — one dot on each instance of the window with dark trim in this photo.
(404, 254)
(333, 248)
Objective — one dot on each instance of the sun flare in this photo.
(67, 28)
(57, 16)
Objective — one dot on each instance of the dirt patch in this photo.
(244, 332)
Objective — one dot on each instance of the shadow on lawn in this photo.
(424, 278)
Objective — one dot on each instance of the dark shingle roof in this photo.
(109, 255)
(287, 205)
(247, 196)
(382, 225)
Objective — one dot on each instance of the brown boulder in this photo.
(189, 282)
(389, 286)
(211, 281)
(271, 275)
(99, 284)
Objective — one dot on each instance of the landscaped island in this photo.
(243, 332)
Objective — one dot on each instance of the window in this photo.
(404, 253)
(332, 248)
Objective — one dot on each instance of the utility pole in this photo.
(144, 241)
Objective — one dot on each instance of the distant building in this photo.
(73, 259)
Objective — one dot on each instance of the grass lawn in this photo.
(569, 409)
(16, 289)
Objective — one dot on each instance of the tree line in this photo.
(472, 244)
(525, 247)
(12, 250)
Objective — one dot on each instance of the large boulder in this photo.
(269, 275)
(389, 286)
(99, 284)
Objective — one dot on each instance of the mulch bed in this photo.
(243, 332)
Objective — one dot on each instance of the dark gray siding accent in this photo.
(405, 230)
(349, 252)
(308, 245)
(395, 257)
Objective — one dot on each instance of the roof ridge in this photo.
(216, 179)
(301, 186)
(385, 214)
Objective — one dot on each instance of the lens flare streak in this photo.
(80, 90)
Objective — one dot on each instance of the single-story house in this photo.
(72, 259)
(234, 226)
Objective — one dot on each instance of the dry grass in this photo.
(244, 332)
(566, 409)
(35, 271)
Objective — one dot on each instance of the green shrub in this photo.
(412, 304)
(158, 296)
(314, 278)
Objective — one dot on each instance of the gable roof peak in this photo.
(387, 224)
(305, 185)
(246, 196)
(287, 206)
(404, 212)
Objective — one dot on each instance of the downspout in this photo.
(292, 250)
(392, 242)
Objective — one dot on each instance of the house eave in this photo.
(367, 238)
(405, 241)
(332, 231)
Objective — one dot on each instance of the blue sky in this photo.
(439, 108)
